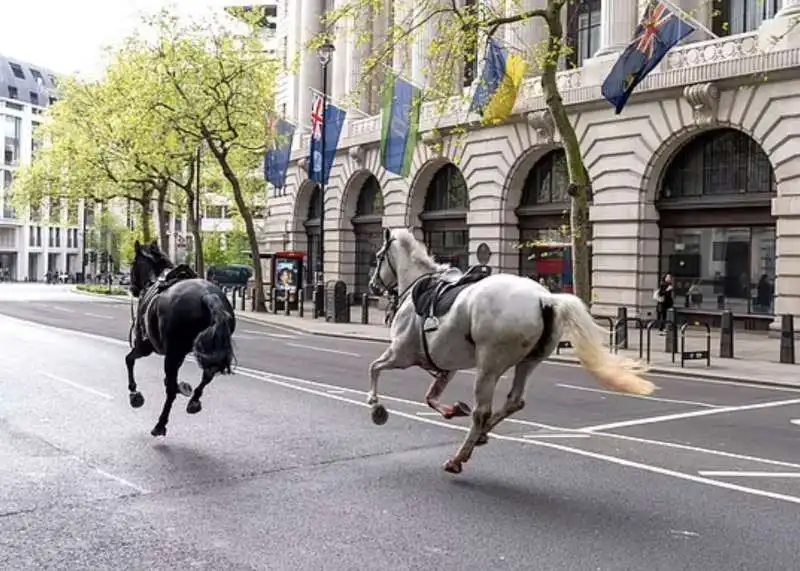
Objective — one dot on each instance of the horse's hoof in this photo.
(159, 430)
(453, 467)
(482, 439)
(194, 406)
(185, 389)
(461, 409)
(136, 399)
(379, 414)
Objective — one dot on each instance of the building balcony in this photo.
(741, 57)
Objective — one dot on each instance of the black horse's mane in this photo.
(154, 253)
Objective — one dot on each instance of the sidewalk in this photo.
(756, 356)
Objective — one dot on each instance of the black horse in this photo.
(178, 313)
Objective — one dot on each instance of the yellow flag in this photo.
(502, 103)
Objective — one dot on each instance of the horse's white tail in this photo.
(588, 338)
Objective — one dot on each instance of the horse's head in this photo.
(148, 263)
(384, 276)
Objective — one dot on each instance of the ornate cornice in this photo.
(703, 98)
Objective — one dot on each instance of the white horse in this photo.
(499, 322)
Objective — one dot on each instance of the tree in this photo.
(460, 27)
(218, 85)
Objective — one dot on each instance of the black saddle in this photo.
(177, 274)
(433, 297)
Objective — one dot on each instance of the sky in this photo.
(68, 36)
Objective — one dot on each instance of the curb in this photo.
(114, 297)
(555, 359)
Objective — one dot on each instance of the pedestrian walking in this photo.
(663, 295)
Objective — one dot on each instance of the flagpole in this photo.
(683, 15)
(340, 103)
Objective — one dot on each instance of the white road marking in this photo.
(427, 413)
(681, 415)
(64, 309)
(76, 385)
(323, 349)
(273, 379)
(295, 332)
(276, 335)
(618, 394)
(732, 474)
(568, 435)
(795, 421)
(697, 449)
(336, 392)
(99, 316)
(240, 336)
(111, 476)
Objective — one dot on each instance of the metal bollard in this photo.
(286, 304)
(243, 298)
(622, 327)
(365, 309)
(726, 335)
(319, 301)
(671, 338)
(274, 296)
(300, 302)
(787, 339)
(233, 300)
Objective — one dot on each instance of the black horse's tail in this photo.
(213, 347)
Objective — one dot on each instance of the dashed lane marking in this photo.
(63, 309)
(275, 335)
(98, 315)
(324, 350)
(76, 385)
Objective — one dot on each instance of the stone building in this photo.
(698, 176)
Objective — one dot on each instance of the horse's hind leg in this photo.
(435, 391)
(514, 401)
(485, 384)
(140, 349)
(172, 364)
(194, 405)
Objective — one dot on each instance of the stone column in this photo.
(789, 8)
(401, 62)
(310, 72)
(786, 209)
(420, 49)
(525, 36)
(341, 59)
(618, 19)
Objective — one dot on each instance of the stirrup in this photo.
(430, 324)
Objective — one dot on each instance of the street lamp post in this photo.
(324, 53)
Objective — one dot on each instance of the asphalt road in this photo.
(283, 468)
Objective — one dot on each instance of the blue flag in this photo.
(320, 160)
(659, 30)
(494, 69)
(399, 125)
(276, 160)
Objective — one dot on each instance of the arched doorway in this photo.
(444, 217)
(717, 229)
(367, 225)
(313, 239)
(543, 219)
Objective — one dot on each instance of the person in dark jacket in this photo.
(665, 301)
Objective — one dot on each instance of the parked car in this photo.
(232, 275)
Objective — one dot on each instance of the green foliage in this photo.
(223, 248)
(109, 235)
(101, 289)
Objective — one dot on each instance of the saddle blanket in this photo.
(433, 296)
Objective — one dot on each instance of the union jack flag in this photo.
(655, 17)
(317, 119)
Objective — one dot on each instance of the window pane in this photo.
(721, 268)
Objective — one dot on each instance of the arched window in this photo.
(547, 182)
(313, 205)
(313, 237)
(444, 220)
(447, 191)
(370, 199)
(720, 162)
(717, 229)
(367, 225)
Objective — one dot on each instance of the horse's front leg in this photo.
(435, 391)
(194, 405)
(172, 364)
(386, 361)
(140, 349)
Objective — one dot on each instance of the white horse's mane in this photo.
(417, 250)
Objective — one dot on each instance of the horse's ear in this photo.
(154, 244)
(387, 234)
(137, 247)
